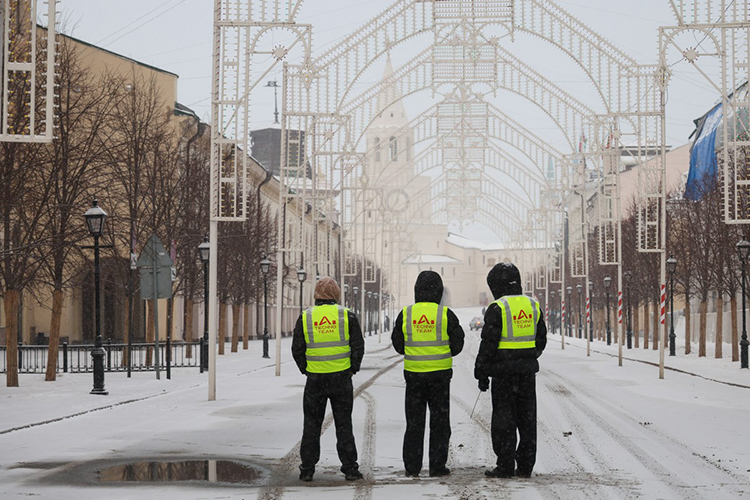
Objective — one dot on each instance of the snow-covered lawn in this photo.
(604, 431)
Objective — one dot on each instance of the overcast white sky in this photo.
(176, 35)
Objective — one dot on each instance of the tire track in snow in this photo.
(287, 465)
(599, 483)
(649, 461)
(363, 490)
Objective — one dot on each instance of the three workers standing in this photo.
(328, 348)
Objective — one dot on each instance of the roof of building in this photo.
(423, 258)
(88, 44)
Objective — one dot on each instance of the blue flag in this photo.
(703, 164)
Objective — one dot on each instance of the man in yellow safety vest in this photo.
(428, 335)
(513, 337)
(328, 348)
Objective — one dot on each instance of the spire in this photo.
(390, 100)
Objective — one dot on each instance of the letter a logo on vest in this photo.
(523, 319)
(423, 320)
(326, 321)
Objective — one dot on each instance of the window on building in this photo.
(393, 144)
(408, 149)
(376, 147)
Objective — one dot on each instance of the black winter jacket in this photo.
(356, 344)
(429, 288)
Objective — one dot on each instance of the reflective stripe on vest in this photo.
(326, 330)
(519, 323)
(426, 343)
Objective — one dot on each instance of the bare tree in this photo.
(70, 164)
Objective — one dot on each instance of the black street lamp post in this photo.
(554, 312)
(204, 252)
(743, 250)
(628, 275)
(346, 295)
(568, 325)
(368, 312)
(301, 276)
(265, 266)
(671, 268)
(579, 287)
(355, 288)
(95, 218)
(607, 282)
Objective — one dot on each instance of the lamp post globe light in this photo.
(204, 252)
(568, 325)
(671, 268)
(607, 282)
(743, 250)
(579, 287)
(627, 275)
(301, 277)
(95, 218)
(346, 294)
(265, 266)
(588, 322)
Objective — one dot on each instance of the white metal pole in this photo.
(212, 307)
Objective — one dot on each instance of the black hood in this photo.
(428, 288)
(504, 279)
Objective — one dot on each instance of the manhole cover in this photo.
(212, 471)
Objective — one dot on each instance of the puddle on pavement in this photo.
(210, 471)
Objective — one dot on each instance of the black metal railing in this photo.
(76, 358)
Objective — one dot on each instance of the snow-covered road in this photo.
(604, 432)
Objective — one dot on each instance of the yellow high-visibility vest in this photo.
(520, 318)
(426, 345)
(326, 331)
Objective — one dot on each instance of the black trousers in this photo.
(336, 387)
(423, 390)
(514, 409)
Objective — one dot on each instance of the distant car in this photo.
(476, 323)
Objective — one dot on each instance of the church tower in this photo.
(390, 147)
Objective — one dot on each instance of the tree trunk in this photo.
(11, 337)
(189, 328)
(150, 331)
(235, 326)
(54, 336)
(658, 328)
(246, 326)
(646, 324)
(702, 332)
(222, 326)
(688, 345)
(636, 325)
(719, 337)
(735, 332)
(126, 331)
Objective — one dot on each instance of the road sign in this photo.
(154, 258)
